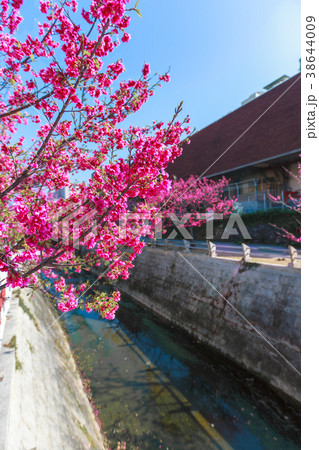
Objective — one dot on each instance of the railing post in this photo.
(187, 246)
(153, 243)
(293, 256)
(246, 252)
(211, 249)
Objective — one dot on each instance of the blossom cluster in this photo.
(192, 198)
(105, 305)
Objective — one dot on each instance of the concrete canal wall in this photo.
(43, 404)
(268, 297)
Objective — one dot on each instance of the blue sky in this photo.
(219, 52)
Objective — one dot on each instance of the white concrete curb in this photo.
(7, 371)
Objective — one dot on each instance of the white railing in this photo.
(217, 249)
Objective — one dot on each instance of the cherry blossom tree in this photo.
(292, 203)
(61, 85)
(193, 201)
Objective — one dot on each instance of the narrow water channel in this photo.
(155, 387)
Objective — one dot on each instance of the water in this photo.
(155, 387)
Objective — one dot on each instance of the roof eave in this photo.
(253, 163)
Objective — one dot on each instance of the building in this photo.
(257, 147)
(62, 193)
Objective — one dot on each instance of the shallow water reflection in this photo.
(157, 388)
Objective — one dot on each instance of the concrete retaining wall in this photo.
(43, 404)
(267, 296)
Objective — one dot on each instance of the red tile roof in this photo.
(275, 133)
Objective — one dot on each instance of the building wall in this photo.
(267, 296)
(293, 183)
(251, 186)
